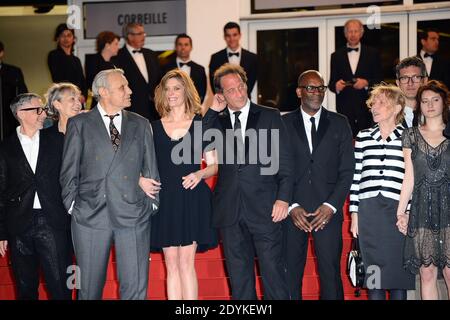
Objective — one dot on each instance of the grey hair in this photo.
(411, 62)
(54, 93)
(22, 99)
(101, 81)
(129, 27)
(361, 26)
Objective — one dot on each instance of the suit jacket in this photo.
(12, 84)
(198, 76)
(326, 174)
(102, 183)
(440, 69)
(142, 98)
(95, 63)
(249, 62)
(241, 189)
(369, 68)
(18, 184)
(64, 68)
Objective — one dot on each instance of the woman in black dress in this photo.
(63, 65)
(182, 225)
(107, 45)
(427, 179)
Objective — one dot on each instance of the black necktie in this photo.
(114, 133)
(230, 54)
(313, 133)
(184, 64)
(426, 55)
(352, 49)
(137, 51)
(238, 135)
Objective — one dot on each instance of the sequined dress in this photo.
(428, 240)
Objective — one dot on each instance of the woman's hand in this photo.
(354, 225)
(402, 222)
(192, 180)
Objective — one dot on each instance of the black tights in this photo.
(380, 294)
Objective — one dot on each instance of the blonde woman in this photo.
(182, 225)
(375, 193)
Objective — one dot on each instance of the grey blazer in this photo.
(103, 184)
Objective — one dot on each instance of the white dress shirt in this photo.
(117, 119)
(307, 123)
(353, 57)
(409, 116)
(428, 62)
(234, 59)
(185, 67)
(30, 147)
(242, 117)
(140, 61)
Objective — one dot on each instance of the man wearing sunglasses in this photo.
(33, 221)
(321, 144)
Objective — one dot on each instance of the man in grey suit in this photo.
(106, 151)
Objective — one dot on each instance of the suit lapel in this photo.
(101, 135)
(347, 63)
(133, 64)
(323, 127)
(252, 120)
(17, 149)
(300, 129)
(361, 60)
(126, 138)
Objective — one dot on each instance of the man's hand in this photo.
(300, 219)
(322, 215)
(3, 247)
(360, 83)
(150, 186)
(340, 85)
(280, 210)
(219, 102)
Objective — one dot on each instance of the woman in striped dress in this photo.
(375, 193)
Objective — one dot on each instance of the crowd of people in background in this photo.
(103, 175)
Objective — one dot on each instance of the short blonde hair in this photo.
(191, 97)
(54, 93)
(393, 94)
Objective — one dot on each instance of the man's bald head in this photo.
(308, 74)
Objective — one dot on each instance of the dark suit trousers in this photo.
(240, 242)
(328, 249)
(41, 245)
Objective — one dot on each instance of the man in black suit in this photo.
(252, 193)
(438, 67)
(33, 221)
(321, 142)
(11, 84)
(234, 54)
(355, 68)
(141, 70)
(183, 48)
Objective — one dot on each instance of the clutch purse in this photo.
(355, 267)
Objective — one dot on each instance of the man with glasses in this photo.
(141, 70)
(411, 74)
(250, 203)
(33, 221)
(321, 142)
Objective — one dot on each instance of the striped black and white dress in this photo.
(374, 196)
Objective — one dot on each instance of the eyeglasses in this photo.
(232, 91)
(311, 89)
(138, 33)
(406, 79)
(39, 110)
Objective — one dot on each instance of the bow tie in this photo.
(426, 55)
(230, 54)
(352, 49)
(184, 64)
(137, 51)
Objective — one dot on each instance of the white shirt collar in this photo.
(422, 54)
(244, 111)
(357, 46)
(130, 49)
(25, 138)
(238, 50)
(178, 60)
(306, 117)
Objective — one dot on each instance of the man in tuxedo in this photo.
(251, 195)
(411, 74)
(438, 67)
(355, 68)
(141, 70)
(106, 151)
(11, 85)
(183, 48)
(34, 224)
(321, 142)
(234, 54)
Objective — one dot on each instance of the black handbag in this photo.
(355, 267)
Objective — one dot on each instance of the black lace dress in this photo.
(428, 240)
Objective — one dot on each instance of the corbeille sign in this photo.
(160, 18)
